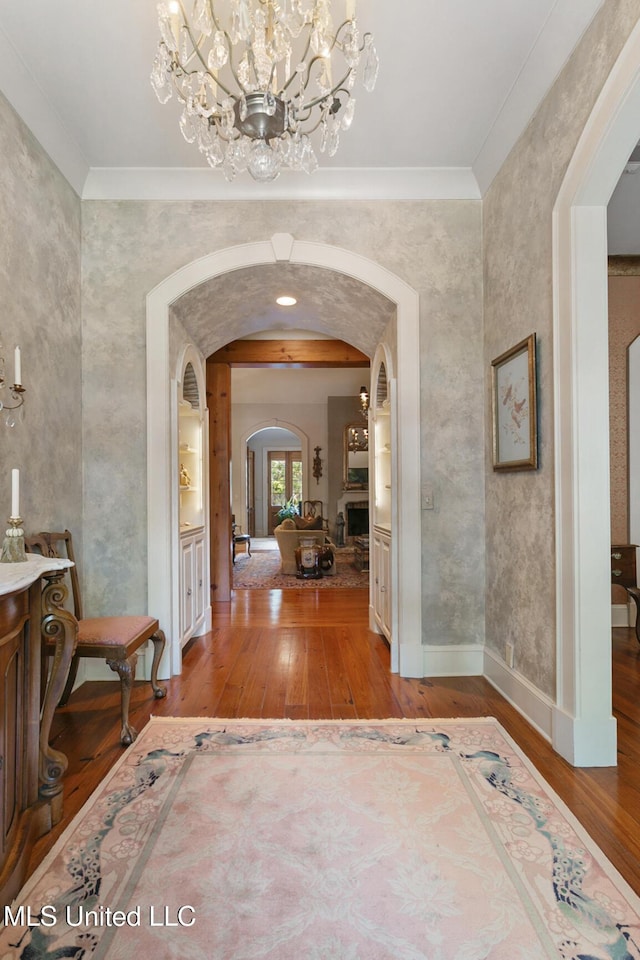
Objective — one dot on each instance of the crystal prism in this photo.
(371, 64)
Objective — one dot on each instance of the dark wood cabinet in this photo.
(19, 731)
(30, 771)
(623, 564)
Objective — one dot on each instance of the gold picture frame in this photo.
(515, 408)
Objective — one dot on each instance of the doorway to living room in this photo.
(359, 288)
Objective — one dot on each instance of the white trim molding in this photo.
(534, 706)
(336, 183)
(459, 660)
(584, 730)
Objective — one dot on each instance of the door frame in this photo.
(584, 729)
(162, 538)
(288, 481)
(265, 425)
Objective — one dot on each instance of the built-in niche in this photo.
(190, 433)
(194, 602)
(382, 450)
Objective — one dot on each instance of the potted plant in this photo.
(289, 510)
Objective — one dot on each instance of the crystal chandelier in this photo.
(256, 78)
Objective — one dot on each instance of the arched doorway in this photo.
(267, 441)
(283, 248)
(584, 730)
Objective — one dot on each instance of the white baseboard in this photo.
(462, 660)
(534, 706)
(95, 668)
(622, 614)
(590, 743)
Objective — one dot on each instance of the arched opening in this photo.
(282, 248)
(584, 730)
(289, 445)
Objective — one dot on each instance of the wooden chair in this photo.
(117, 639)
(237, 536)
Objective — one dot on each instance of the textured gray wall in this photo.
(40, 296)
(518, 300)
(129, 247)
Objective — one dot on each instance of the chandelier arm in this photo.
(216, 24)
(189, 73)
(339, 87)
(294, 74)
(314, 127)
(336, 41)
(197, 53)
(308, 80)
(215, 121)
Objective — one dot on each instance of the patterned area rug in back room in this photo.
(387, 840)
(262, 571)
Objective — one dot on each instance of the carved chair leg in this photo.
(126, 669)
(159, 641)
(634, 593)
(71, 679)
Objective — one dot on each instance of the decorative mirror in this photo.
(356, 457)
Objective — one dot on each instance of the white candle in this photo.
(351, 9)
(15, 493)
(18, 369)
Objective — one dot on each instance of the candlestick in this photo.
(13, 547)
(15, 493)
(17, 374)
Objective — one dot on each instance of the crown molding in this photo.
(189, 183)
(34, 109)
(554, 45)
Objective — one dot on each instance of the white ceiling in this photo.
(458, 82)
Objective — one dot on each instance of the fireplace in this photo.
(357, 519)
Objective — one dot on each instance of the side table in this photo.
(361, 552)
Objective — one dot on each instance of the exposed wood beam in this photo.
(290, 353)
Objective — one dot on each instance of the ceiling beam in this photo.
(289, 353)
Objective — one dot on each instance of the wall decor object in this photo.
(356, 457)
(317, 464)
(514, 407)
(16, 389)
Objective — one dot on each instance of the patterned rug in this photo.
(262, 570)
(387, 840)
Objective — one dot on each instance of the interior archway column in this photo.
(219, 404)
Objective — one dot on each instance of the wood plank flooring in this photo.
(302, 654)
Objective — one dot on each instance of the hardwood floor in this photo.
(308, 654)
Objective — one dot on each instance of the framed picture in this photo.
(514, 407)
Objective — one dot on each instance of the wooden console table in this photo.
(30, 770)
(623, 573)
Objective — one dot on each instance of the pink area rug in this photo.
(262, 571)
(388, 840)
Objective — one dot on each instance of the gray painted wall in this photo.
(129, 247)
(518, 300)
(40, 296)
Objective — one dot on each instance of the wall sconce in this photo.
(364, 401)
(317, 464)
(17, 390)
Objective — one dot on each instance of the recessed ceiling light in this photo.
(286, 301)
